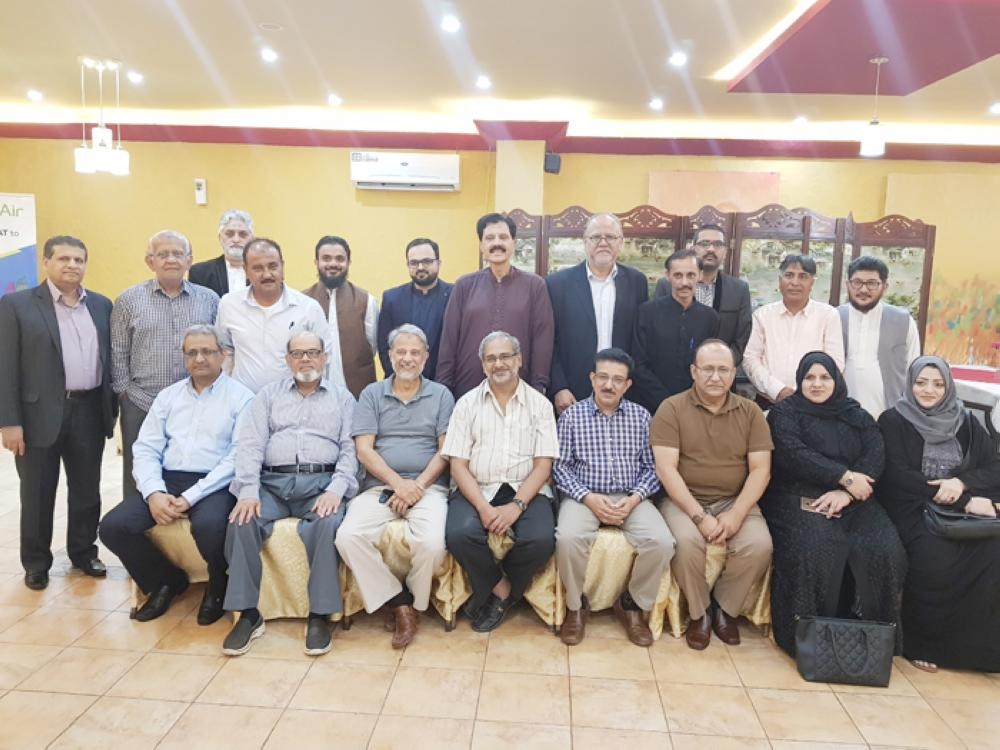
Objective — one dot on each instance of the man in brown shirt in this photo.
(712, 450)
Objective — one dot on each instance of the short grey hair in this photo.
(235, 213)
(496, 336)
(202, 329)
(410, 330)
(165, 235)
(302, 332)
(604, 215)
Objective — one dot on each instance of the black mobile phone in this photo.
(384, 495)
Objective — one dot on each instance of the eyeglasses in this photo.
(714, 244)
(871, 285)
(300, 353)
(491, 359)
(616, 380)
(206, 353)
(709, 372)
(170, 254)
(597, 239)
(421, 262)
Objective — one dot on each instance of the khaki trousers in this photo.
(359, 535)
(748, 554)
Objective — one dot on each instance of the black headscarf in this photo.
(838, 406)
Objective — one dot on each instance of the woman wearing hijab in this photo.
(836, 553)
(936, 450)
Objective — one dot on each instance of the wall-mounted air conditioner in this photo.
(391, 170)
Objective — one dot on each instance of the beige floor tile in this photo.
(526, 653)
(594, 738)
(284, 639)
(19, 661)
(190, 638)
(249, 682)
(221, 728)
(13, 591)
(49, 626)
(529, 698)
(438, 693)
(898, 720)
(604, 624)
(321, 730)
(445, 650)
(177, 677)
(616, 704)
(948, 683)
(412, 733)
(33, 720)
(803, 715)
(805, 745)
(350, 688)
(94, 593)
(976, 722)
(11, 613)
(726, 711)
(118, 632)
(82, 670)
(610, 658)
(673, 661)
(120, 723)
(495, 735)
(770, 668)
(716, 742)
(898, 684)
(362, 647)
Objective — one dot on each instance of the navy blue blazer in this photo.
(211, 274)
(397, 308)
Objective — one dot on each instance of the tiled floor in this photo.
(75, 672)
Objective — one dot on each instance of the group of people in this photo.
(537, 409)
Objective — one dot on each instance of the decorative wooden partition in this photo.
(759, 240)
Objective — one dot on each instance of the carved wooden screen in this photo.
(529, 240)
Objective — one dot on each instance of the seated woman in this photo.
(936, 450)
(836, 553)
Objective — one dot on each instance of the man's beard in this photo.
(233, 253)
(333, 282)
(307, 376)
(864, 308)
(428, 281)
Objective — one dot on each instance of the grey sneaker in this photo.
(243, 634)
(317, 636)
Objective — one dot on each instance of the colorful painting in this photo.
(964, 321)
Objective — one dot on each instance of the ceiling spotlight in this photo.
(35, 95)
(334, 101)
(678, 59)
(995, 108)
(450, 23)
(484, 83)
(800, 120)
(135, 77)
(656, 104)
(88, 62)
(268, 55)
(268, 26)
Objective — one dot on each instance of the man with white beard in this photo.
(225, 274)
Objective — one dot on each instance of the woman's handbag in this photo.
(850, 652)
(952, 523)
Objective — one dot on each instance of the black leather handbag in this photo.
(952, 523)
(850, 652)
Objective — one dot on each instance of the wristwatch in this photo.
(520, 504)
(698, 518)
(849, 481)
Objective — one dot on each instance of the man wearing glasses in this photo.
(712, 450)
(225, 273)
(421, 303)
(183, 462)
(615, 291)
(147, 324)
(880, 340)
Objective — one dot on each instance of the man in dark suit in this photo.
(728, 295)
(225, 273)
(56, 403)
(420, 303)
(594, 304)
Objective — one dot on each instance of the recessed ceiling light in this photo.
(35, 95)
(268, 55)
(995, 108)
(656, 104)
(450, 23)
(135, 77)
(268, 26)
(334, 101)
(800, 120)
(678, 59)
(484, 83)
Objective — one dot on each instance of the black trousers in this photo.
(123, 531)
(131, 422)
(534, 543)
(80, 447)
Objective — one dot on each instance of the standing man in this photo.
(499, 297)
(399, 428)
(728, 295)
(713, 455)
(421, 302)
(784, 331)
(56, 404)
(501, 442)
(225, 274)
(352, 314)
(254, 322)
(147, 324)
(295, 457)
(616, 292)
(606, 475)
(667, 332)
(880, 340)
(183, 464)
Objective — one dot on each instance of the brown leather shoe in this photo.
(725, 627)
(699, 632)
(573, 627)
(635, 626)
(406, 625)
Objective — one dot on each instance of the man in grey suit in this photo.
(56, 404)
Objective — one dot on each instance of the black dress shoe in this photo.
(492, 613)
(158, 603)
(211, 608)
(92, 567)
(36, 581)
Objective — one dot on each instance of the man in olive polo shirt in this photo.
(712, 450)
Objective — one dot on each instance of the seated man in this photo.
(713, 454)
(295, 458)
(606, 475)
(399, 427)
(501, 442)
(182, 464)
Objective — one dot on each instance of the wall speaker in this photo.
(553, 163)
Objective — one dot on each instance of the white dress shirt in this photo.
(335, 364)
(603, 294)
(862, 371)
(237, 277)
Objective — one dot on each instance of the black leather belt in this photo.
(302, 469)
(83, 394)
